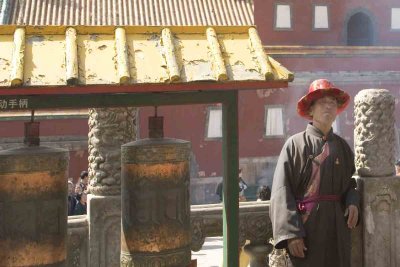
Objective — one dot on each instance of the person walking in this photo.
(84, 180)
(242, 186)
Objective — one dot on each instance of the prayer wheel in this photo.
(155, 201)
(33, 204)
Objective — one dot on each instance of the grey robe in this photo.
(325, 232)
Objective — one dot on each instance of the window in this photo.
(274, 121)
(360, 30)
(283, 17)
(320, 19)
(214, 123)
(395, 19)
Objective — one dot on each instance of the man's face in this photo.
(78, 189)
(398, 170)
(324, 110)
(71, 188)
(84, 197)
(85, 180)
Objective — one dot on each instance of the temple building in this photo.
(354, 43)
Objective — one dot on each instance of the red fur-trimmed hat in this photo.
(320, 88)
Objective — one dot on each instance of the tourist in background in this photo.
(71, 198)
(80, 207)
(398, 168)
(242, 186)
(263, 193)
(219, 191)
(84, 180)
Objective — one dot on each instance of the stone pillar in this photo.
(374, 133)
(374, 155)
(109, 128)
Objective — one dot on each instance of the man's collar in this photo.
(311, 129)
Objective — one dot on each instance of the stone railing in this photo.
(254, 226)
(254, 223)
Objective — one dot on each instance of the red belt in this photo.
(301, 204)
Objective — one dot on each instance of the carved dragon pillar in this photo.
(109, 128)
(374, 154)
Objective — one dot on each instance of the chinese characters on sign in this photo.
(14, 103)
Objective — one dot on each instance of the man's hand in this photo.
(352, 211)
(296, 247)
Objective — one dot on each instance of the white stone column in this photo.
(109, 128)
(374, 156)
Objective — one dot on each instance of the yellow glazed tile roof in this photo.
(91, 55)
(129, 12)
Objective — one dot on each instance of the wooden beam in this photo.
(36, 102)
(229, 100)
(230, 148)
(142, 88)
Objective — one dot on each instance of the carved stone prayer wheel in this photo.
(33, 204)
(155, 201)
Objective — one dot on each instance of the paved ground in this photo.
(210, 254)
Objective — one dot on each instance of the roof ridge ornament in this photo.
(262, 58)
(217, 59)
(17, 63)
(71, 56)
(167, 40)
(122, 56)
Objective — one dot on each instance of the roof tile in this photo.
(127, 12)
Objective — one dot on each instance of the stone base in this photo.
(104, 215)
(357, 246)
(77, 241)
(380, 221)
(172, 258)
(258, 254)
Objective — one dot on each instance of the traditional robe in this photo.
(329, 161)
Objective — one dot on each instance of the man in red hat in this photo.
(314, 203)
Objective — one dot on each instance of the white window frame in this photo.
(282, 107)
(276, 28)
(392, 18)
(315, 6)
(206, 132)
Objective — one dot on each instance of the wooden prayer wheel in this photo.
(155, 202)
(33, 206)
